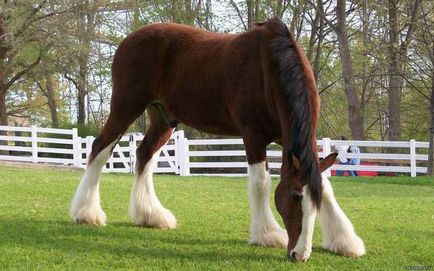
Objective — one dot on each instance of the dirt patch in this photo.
(39, 165)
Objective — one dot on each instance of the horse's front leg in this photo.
(303, 248)
(338, 232)
(264, 229)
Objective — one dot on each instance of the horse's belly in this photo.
(197, 111)
(205, 120)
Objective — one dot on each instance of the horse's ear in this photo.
(294, 161)
(327, 162)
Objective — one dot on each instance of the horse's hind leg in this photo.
(86, 207)
(145, 207)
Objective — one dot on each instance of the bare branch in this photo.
(411, 28)
(19, 74)
(72, 80)
(239, 13)
(41, 88)
(323, 15)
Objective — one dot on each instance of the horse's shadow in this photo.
(126, 240)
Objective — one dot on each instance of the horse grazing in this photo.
(257, 85)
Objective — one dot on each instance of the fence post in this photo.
(133, 149)
(413, 158)
(184, 159)
(34, 135)
(326, 149)
(76, 146)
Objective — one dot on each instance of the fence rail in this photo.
(197, 156)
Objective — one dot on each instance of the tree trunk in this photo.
(208, 18)
(82, 88)
(313, 37)
(318, 53)
(51, 101)
(279, 9)
(3, 53)
(396, 52)
(394, 91)
(256, 12)
(3, 113)
(3, 116)
(431, 134)
(250, 14)
(364, 73)
(87, 21)
(295, 17)
(354, 116)
(81, 115)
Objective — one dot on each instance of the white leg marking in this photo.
(145, 208)
(338, 232)
(264, 229)
(303, 248)
(86, 206)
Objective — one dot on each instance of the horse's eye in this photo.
(296, 195)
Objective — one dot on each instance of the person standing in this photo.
(342, 150)
(354, 161)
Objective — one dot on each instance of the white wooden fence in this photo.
(197, 156)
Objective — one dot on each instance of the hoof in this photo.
(160, 218)
(348, 247)
(297, 255)
(91, 216)
(277, 238)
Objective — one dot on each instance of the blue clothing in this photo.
(342, 172)
(355, 161)
(352, 161)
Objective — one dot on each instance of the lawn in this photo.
(394, 216)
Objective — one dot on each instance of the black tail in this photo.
(293, 80)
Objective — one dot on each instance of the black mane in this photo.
(294, 84)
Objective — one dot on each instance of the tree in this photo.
(353, 102)
(20, 29)
(421, 62)
(46, 86)
(397, 55)
(431, 130)
(430, 170)
(84, 21)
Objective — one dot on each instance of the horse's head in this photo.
(289, 196)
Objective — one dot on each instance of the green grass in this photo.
(394, 216)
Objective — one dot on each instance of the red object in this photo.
(361, 172)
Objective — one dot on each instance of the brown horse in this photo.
(258, 85)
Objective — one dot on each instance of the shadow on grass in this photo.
(125, 240)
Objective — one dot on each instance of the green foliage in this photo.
(392, 215)
(79, 41)
(184, 12)
(87, 129)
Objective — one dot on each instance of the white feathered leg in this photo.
(264, 229)
(86, 206)
(303, 248)
(145, 208)
(338, 232)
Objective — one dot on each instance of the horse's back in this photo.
(161, 49)
(205, 80)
